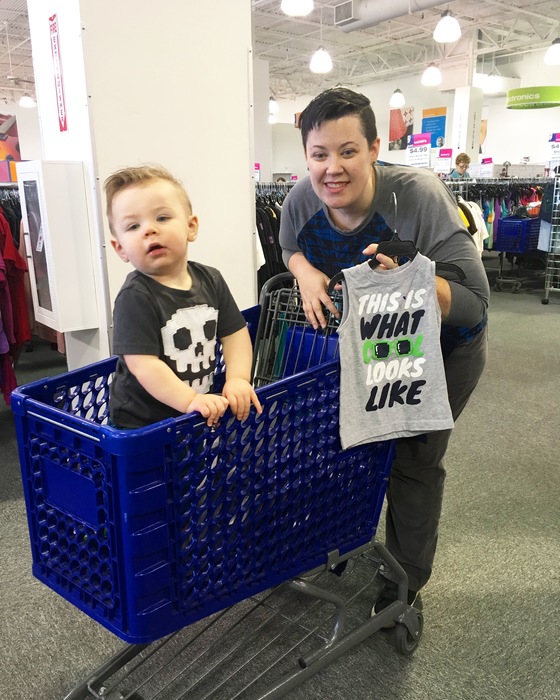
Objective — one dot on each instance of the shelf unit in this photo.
(552, 273)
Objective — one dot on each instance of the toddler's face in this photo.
(153, 227)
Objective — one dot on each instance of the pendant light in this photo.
(296, 8)
(397, 99)
(431, 76)
(448, 30)
(552, 55)
(321, 62)
(26, 101)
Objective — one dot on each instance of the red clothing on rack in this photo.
(16, 269)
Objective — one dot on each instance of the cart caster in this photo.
(516, 288)
(545, 301)
(498, 287)
(405, 642)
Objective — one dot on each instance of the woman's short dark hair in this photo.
(335, 103)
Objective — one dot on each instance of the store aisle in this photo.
(492, 607)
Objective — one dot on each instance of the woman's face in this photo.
(339, 160)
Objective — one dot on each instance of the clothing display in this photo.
(475, 222)
(269, 199)
(392, 379)
(180, 327)
(15, 328)
(498, 198)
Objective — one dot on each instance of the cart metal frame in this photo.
(302, 625)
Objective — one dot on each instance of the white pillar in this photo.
(170, 84)
(467, 111)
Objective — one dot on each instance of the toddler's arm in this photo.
(163, 384)
(238, 356)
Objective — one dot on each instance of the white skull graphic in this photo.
(196, 354)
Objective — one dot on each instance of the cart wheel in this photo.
(405, 643)
(516, 288)
(545, 301)
(498, 287)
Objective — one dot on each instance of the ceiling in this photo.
(494, 31)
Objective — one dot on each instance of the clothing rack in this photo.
(494, 187)
(269, 197)
(11, 208)
(552, 272)
(272, 188)
(15, 329)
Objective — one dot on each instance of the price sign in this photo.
(442, 162)
(418, 150)
(554, 146)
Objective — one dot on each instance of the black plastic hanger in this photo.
(400, 249)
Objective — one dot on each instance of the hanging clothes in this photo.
(269, 199)
(392, 377)
(15, 328)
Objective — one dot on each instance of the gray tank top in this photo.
(392, 377)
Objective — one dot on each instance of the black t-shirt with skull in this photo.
(179, 327)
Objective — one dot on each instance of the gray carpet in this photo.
(491, 609)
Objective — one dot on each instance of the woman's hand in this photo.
(385, 262)
(313, 289)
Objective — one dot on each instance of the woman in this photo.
(333, 220)
(462, 162)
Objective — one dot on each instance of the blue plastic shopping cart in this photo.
(150, 530)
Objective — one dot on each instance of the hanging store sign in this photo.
(533, 97)
(57, 69)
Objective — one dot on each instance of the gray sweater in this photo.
(427, 214)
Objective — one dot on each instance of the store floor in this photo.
(492, 607)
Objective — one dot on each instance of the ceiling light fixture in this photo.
(397, 99)
(296, 8)
(321, 62)
(552, 55)
(26, 101)
(431, 76)
(448, 30)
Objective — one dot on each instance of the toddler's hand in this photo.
(210, 406)
(240, 395)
